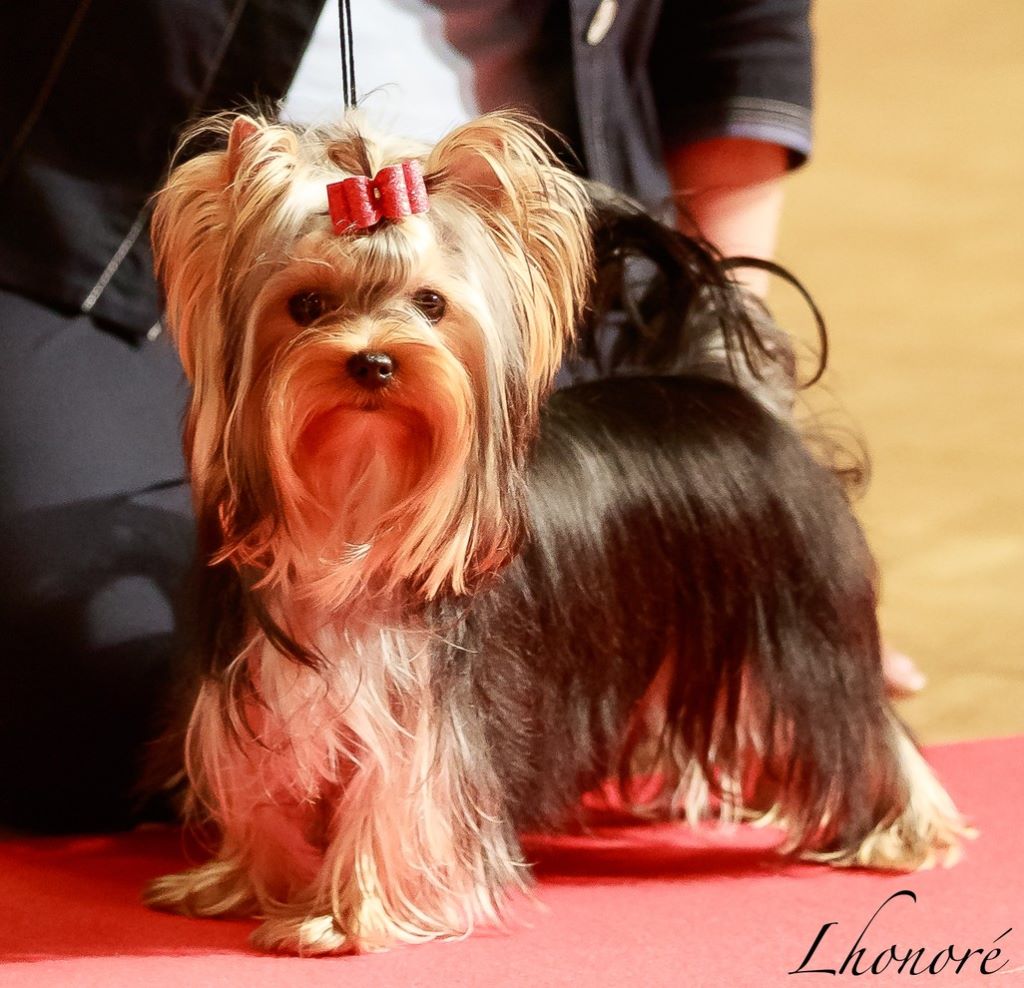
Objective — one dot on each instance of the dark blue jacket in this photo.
(96, 91)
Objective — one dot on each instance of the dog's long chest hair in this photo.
(438, 602)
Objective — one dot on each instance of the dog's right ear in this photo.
(188, 230)
(207, 220)
(256, 146)
(242, 136)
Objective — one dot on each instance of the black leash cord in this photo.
(348, 62)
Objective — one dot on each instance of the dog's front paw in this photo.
(308, 933)
(306, 936)
(217, 888)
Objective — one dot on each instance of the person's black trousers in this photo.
(95, 537)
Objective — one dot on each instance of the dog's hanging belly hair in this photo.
(669, 521)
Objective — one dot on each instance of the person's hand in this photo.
(902, 676)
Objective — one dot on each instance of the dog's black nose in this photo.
(370, 369)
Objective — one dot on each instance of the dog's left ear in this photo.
(539, 212)
(501, 163)
(489, 160)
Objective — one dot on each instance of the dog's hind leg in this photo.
(777, 691)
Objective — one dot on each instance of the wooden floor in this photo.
(908, 226)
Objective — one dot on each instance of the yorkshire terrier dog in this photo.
(441, 601)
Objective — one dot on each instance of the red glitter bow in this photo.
(394, 192)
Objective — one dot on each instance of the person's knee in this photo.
(87, 620)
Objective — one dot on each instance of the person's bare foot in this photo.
(902, 676)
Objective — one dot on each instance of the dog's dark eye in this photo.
(306, 307)
(432, 304)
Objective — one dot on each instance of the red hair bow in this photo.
(394, 192)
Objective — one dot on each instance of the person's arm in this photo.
(731, 190)
(733, 85)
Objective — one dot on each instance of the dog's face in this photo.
(363, 400)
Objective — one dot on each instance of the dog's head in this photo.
(363, 397)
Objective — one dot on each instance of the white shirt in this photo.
(409, 80)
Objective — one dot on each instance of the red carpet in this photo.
(647, 906)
